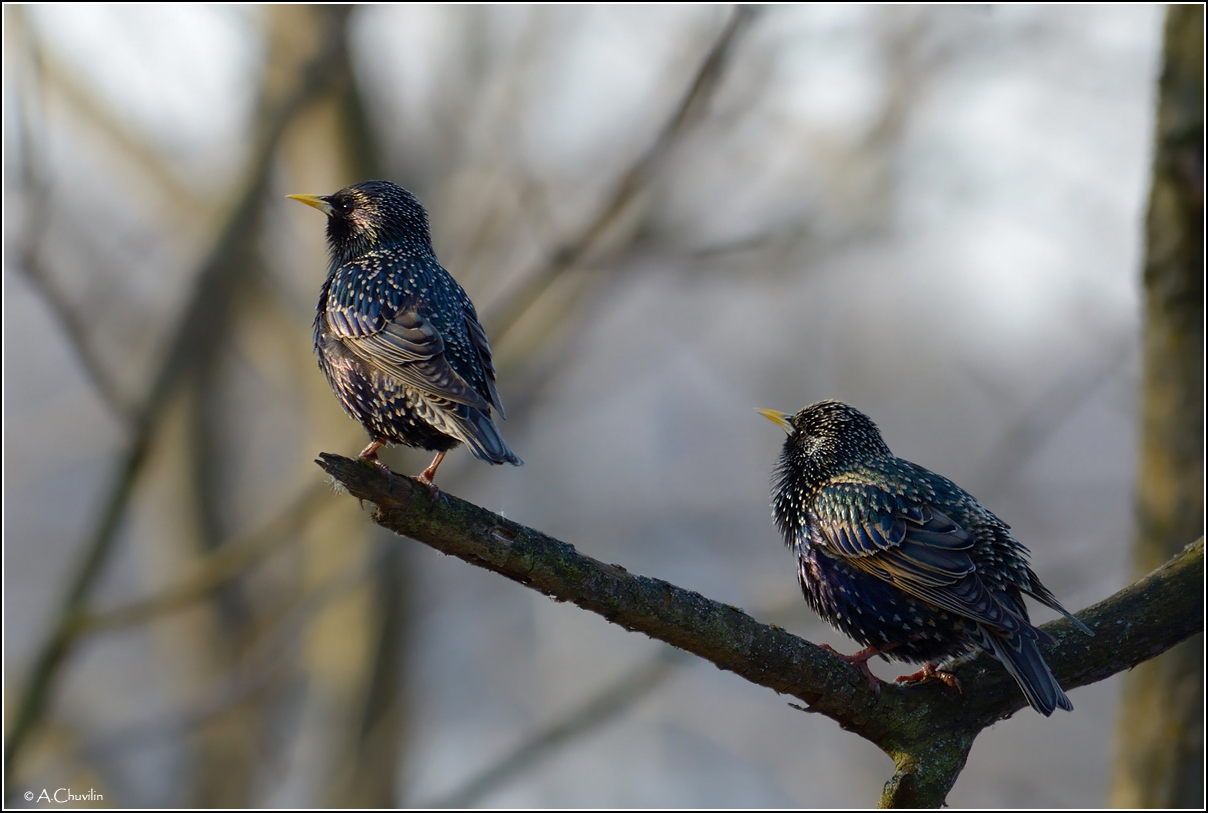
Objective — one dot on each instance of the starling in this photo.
(397, 337)
(903, 560)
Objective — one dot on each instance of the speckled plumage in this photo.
(902, 559)
(397, 337)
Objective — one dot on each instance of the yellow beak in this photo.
(779, 418)
(315, 201)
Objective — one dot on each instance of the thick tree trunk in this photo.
(1160, 741)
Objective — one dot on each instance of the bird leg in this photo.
(425, 477)
(929, 672)
(370, 453)
(860, 660)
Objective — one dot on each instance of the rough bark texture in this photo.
(1160, 740)
(926, 729)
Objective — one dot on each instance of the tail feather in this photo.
(468, 425)
(483, 439)
(1045, 597)
(1021, 657)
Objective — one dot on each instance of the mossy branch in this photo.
(925, 728)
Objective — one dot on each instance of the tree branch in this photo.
(924, 728)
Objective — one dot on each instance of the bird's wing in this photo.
(911, 545)
(402, 343)
(478, 337)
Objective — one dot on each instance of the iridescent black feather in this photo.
(902, 559)
(397, 337)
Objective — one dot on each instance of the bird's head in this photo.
(830, 433)
(371, 214)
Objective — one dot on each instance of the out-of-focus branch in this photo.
(29, 263)
(501, 316)
(224, 564)
(259, 664)
(62, 79)
(37, 217)
(927, 731)
(609, 703)
(604, 232)
(210, 297)
(599, 709)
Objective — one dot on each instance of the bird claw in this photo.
(426, 477)
(369, 453)
(860, 661)
(384, 469)
(433, 489)
(929, 672)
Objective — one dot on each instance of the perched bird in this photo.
(904, 560)
(397, 337)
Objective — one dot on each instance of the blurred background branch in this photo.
(583, 247)
(37, 196)
(546, 741)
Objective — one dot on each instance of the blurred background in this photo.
(667, 217)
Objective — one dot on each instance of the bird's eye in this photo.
(340, 207)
